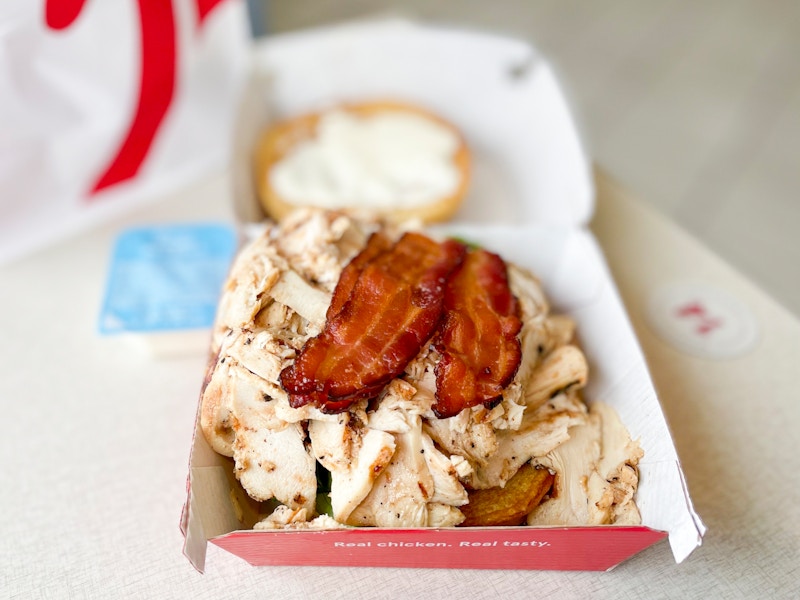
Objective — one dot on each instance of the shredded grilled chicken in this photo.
(355, 457)
(596, 475)
(271, 460)
(392, 463)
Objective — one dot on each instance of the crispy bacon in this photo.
(478, 338)
(393, 308)
(377, 243)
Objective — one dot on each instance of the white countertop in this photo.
(97, 438)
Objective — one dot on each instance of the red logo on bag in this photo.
(156, 81)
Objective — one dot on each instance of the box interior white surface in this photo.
(531, 195)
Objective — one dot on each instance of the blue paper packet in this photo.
(166, 278)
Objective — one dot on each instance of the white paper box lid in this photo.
(529, 165)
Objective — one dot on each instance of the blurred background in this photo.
(694, 106)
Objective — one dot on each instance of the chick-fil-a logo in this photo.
(704, 322)
(159, 64)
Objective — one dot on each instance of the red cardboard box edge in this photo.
(521, 548)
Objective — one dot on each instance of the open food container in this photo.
(530, 200)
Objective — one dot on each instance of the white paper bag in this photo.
(105, 104)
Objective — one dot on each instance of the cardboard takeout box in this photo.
(531, 199)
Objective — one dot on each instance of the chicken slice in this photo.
(355, 457)
(216, 413)
(613, 484)
(284, 517)
(400, 494)
(560, 330)
(305, 299)
(533, 311)
(308, 412)
(262, 354)
(464, 435)
(318, 244)
(596, 475)
(435, 482)
(565, 367)
(447, 489)
(271, 459)
(528, 291)
(253, 273)
(508, 414)
(573, 463)
(541, 432)
(399, 408)
(443, 515)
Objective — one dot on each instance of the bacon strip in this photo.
(377, 243)
(478, 338)
(392, 310)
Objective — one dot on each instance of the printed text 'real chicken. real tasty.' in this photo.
(460, 544)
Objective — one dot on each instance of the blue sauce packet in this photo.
(166, 278)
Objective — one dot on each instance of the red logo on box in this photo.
(697, 312)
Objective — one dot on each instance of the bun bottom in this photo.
(278, 140)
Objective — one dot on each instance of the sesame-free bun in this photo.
(279, 139)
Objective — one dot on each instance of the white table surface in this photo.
(96, 440)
